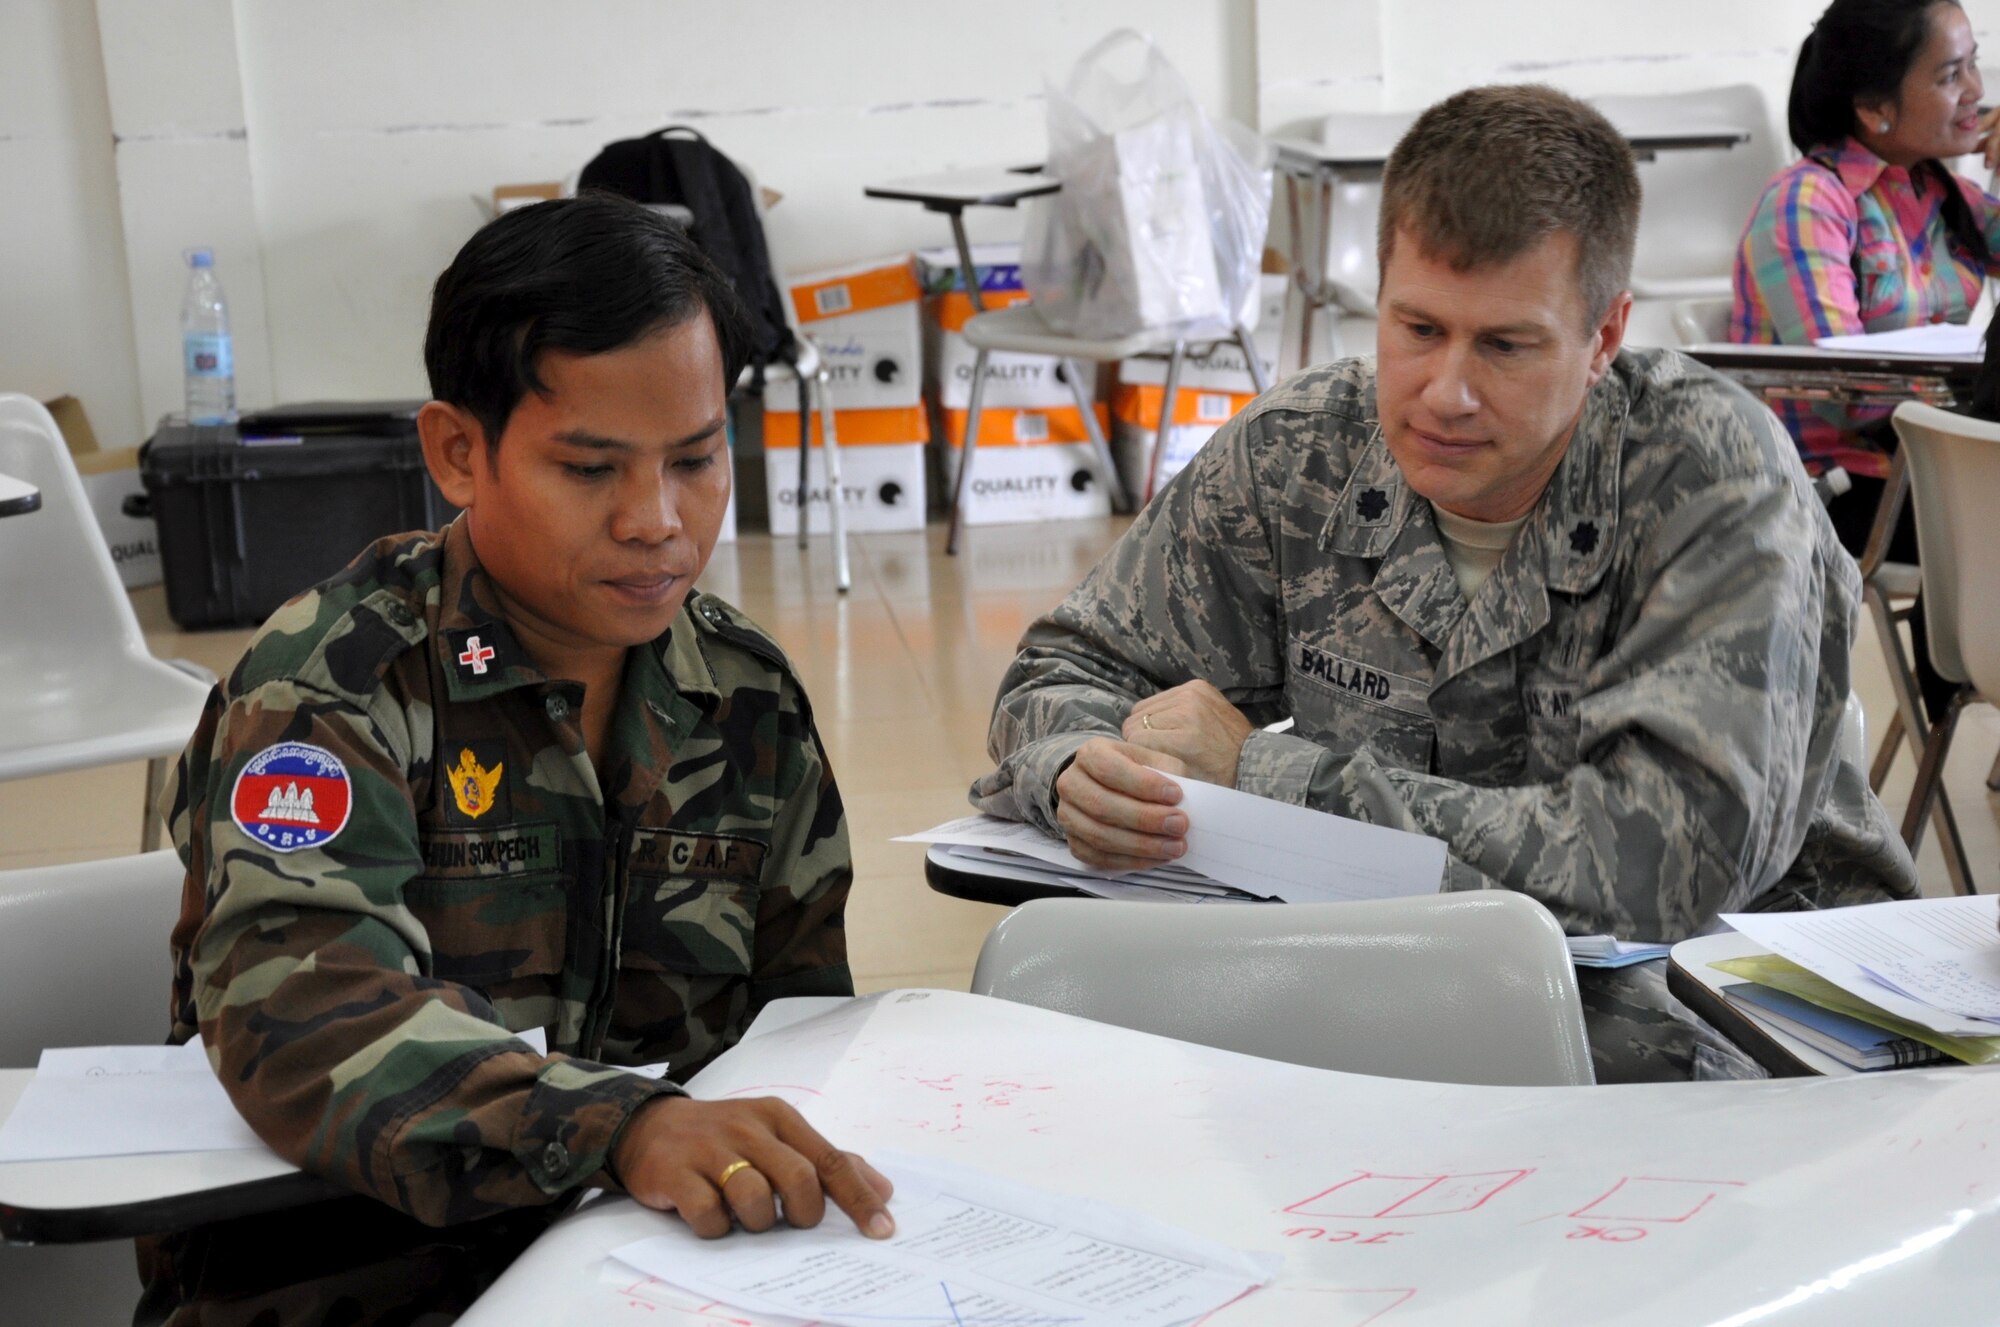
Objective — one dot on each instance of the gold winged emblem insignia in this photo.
(473, 785)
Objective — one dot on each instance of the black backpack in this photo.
(678, 166)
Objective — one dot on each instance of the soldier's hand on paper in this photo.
(678, 1154)
(1195, 724)
(1117, 808)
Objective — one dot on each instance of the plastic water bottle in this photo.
(207, 356)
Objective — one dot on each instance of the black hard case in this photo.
(252, 513)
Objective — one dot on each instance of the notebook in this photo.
(1854, 1043)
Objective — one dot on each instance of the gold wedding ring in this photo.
(729, 1172)
(1146, 722)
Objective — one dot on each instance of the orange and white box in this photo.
(1011, 379)
(881, 470)
(866, 320)
(1030, 465)
(1135, 422)
(1218, 366)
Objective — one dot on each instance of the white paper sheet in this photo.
(114, 1101)
(1925, 340)
(969, 1250)
(1932, 961)
(1301, 855)
(122, 1101)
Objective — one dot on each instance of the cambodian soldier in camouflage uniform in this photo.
(1630, 714)
(515, 776)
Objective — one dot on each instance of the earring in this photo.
(1882, 127)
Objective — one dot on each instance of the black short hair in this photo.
(586, 275)
(1860, 51)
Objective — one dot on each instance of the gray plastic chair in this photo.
(77, 685)
(83, 962)
(1695, 203)
(1458, 988)
(83, 954)
(1702, 321)
(1954, 467)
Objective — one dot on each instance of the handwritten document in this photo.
(1932, 961)
(969, 1250)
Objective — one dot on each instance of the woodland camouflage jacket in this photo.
(398, 850)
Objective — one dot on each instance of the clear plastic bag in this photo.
(1161, 220)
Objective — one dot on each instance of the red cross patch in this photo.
(476, 655)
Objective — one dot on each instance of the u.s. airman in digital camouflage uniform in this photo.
(514, 777)
(1634, 718)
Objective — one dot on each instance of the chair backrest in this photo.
(1350, 238)
(1955, 481)
(60, 596)
(1466, 988)
(1697, 202)
(83, 954)
(1701, 321)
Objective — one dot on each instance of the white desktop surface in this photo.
(110, 1182)
(993, 185)
(1861, 1199)
(14, 495)
(1822, 357)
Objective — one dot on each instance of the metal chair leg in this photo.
(1168, 397)
(836, 504)
(1957, 867)
(156, 781)
(1107, 467)
(1902, 677)
(1248, 345)
(1930, 783)
(805, 446)
(972, 410)
(1885, 755)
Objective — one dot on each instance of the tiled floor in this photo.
(902, 673)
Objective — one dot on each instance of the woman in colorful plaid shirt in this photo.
(1869, 231)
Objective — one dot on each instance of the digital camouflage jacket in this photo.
(1635, 720)
(399, 852)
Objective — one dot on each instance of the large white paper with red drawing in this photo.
(1873, 1198)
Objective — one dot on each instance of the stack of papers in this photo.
(1932, 962)
(968, 1249)
(1601, 951)
(1240, 847)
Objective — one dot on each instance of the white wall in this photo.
(343, 146)
(65, 317)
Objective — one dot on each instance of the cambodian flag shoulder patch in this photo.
(293, 795)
